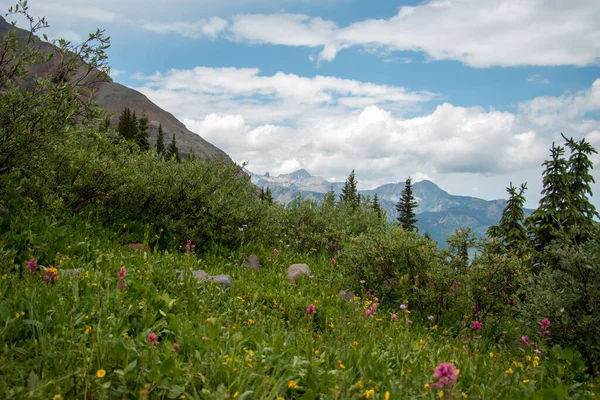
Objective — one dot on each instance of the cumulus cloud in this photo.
(498, 32)
(537, 78)
(202, 28)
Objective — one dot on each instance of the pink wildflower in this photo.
(374, 308)
(525, 340)
(394, 317)
(512, 303)
(152, 338)
(310, 309)
(176, 346)
(454, 286)
(544, 324)
(122, 274)
(446, 375)
(332, 261)
(275, 251)
(32, 265)
(476, 325)
(51, 274)
(368, 313)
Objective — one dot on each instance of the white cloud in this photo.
(330, 126)
(537, 78)
(202, 28)
(115, 72)
(498, 32)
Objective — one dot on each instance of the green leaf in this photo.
(167, 366)
(131, 366)
(567, 354)
(33, 381)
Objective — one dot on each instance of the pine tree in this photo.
(376, 206)
(173, 151)
(349, 193)
(510, 229)
(142, 134)
(551, 215)
(160, 141)
(124, 126)
(406, 207)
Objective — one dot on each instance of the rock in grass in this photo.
(223, 280)
(297, 270)
(199, 274)
(252, 262)
(346, 294)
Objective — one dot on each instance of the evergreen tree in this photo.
(377, 206)
(160, 141)
(142, 134)
(173, 151)
(134, 127)
(551, 215)
(510, 229)
(580, 165)
(124, 126)
(349, 193)
(329, 199)
(268, 196)
(406, 207)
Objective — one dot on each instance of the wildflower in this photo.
(544, 325)
(525, 340)
(236, 394)
(51, 274)
(32, 265)
(463, 395)
(176, 346)
(88, 329)
(152, 338)
(386, 396)
(251, 322)
(122, 274)
(426, 386)
(408, 321)
(508, 371)
(537, 351)
(431, 317)
(362, 281)
(369, 393)
(340, 365)
(394, 317)
(310, 309)
(435, 327)
(476, 325)
(292, 384)
(446, 375)
(525, 380)
(512, 303)
(275, 252)
(368, 313)
(536, 361)
(491, 354)
(454, 286)
(374, 308)
(100, 373)
(56, 397)
(403, 306)
(441, 394)
(332, 261)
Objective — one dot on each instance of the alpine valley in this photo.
(439, 213)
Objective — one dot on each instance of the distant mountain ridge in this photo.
(438, 212)
(115, 97)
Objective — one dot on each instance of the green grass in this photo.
(254, 340)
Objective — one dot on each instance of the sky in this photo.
(470, 94)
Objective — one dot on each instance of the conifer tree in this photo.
(329, 199)
(511, 229)
(406, 207)
(134, 127)
(142, 134)
(160, 141)
(349, 193)
(268, 196)
(124, 126)
(377, 206)
(173, 151)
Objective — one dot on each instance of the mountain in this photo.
(115, 97)
(438, 212)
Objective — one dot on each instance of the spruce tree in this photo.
(268, 196)
(142, 134)
(134, 127)
(173, 151)
(377, 206)
(124, 126)
(160, 141)
(406, 208)
(349, 193)
(511, 229)
(551, 216)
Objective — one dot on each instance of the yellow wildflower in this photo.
(88, 329)
(359, 384)
(251, 322)
(463, 395)
(100, 373)
(292, 384)
(536, 361)
(236, 394)
(518, 364)
(525, 380)
(508, 371)
(441, 394)
(250, 353)
(386, 396)
(426, 386)
(369, 393)
(435, 327)
(491, 354)
(316, 352)
(340, 365)
(56, 397)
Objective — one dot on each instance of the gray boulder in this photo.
(223, 280)
(296, 270)
(346, 294)
(252, 262)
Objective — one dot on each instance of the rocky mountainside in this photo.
(115, 97)
(439, 213)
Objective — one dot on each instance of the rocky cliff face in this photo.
(115, 97)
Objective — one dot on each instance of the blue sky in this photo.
(467, 93)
